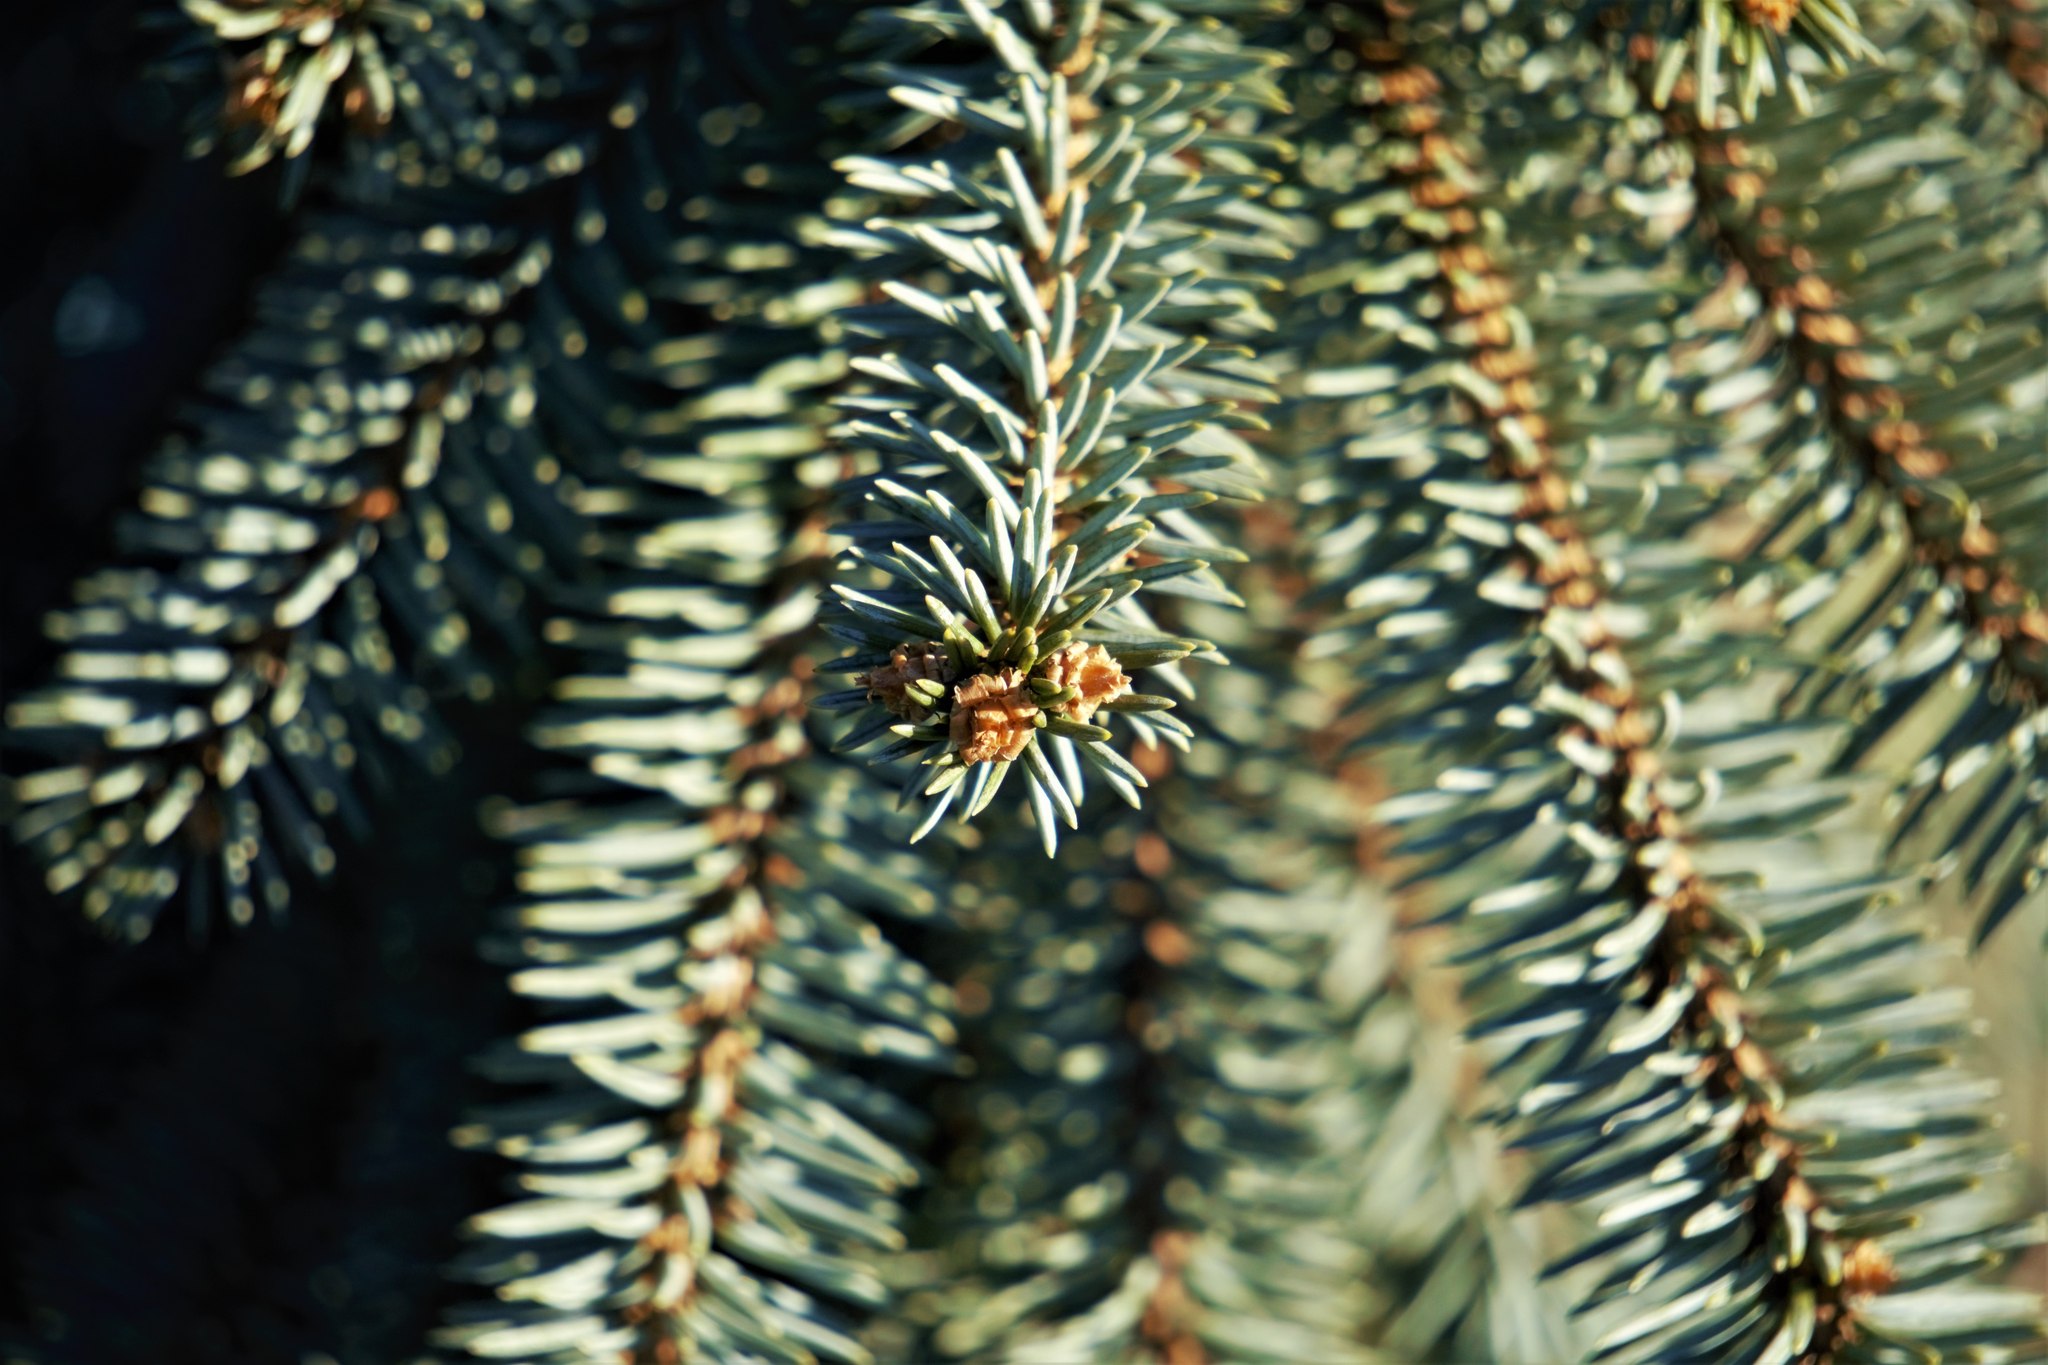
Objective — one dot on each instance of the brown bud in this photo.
(907, 664)
(1092, 671)
(1493, 328)
(1517, 396)
(1167, 943)
(700, 1163)
(1482, 295)
(377, 504)
(1436, 193)
(1922, 462)
(992, 717)
(1978, 541)
(1744, 187)
(1867, 1269)
(1152, 855)
(1893, 435)
(254, 96)
(1776, 15)
(1504, 364)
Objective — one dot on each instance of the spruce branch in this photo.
(1975, 554)
(714, 1160)
(1950, 529)
(1455, 1269)
(1678, 1038)
(1742, 48)
(220, 694)
(452, 68)
(348, 521)
(1205, 1121)
(1690, 974)
(1194, 1130)
(1459, 1278)
(1458, 1265)
(1157, 1155)
(1060, 375)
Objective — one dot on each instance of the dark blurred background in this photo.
(232, 1150)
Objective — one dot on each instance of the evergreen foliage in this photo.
(1511, 538)
(702, 1170)
(1044, 366)
(451, 67)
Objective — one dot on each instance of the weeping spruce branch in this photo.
(351, 514)
(710, 1132)
(1533, 393)
(1688, 980)
(1036, 1123)
(1059, 373)
(448, 70)
(1957, 538)
(1159, 1152)
(733, 926)
(221, 693)
(1677, 1040)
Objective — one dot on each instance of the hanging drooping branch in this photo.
(223, 691)
(1158, 1154)
(1687, 978)
(712, 1154)
(1941, 454)
(454, 72)
(350, 514)
(1060, 367)
(1665, 1022)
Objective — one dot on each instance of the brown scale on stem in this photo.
(889, 685)
(1092, 672)
(1168, 1309)
(1694, 941)
(993, 717)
